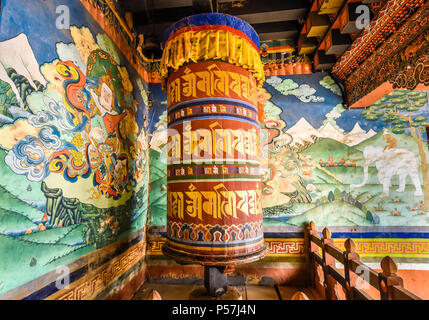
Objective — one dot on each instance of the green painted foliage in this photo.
(7, 98)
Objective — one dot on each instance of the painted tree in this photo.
(402, 109)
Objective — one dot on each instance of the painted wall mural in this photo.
(338, 167)
(359, 167)
(73, 141)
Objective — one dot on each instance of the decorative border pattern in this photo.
(212, 109)
(285, 247)
(295, 247)
(101, 278)
(292, 247)
(214, 172)
(408, 248)
(203, 234)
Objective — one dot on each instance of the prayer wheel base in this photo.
(201, 293)
(182, 257)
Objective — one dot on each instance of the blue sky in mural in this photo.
(44, 35)
(315, 112)
(157, 108)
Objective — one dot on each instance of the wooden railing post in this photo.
(388, 278)
(311, 247)
(350, 254)
(328, 260)
(299, 296)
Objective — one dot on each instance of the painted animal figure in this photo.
(391, 141)
(388, 163)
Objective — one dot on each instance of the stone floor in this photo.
(248, 292)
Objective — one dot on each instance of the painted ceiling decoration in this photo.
(402, 61)
(389, 19)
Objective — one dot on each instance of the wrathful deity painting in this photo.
(321, 162)
(73, 145)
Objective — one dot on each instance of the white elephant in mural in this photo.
(388, 163)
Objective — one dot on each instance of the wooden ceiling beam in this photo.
(258, 6)
(336, 42)
(277, 30)
(273, 16)
(139, 5)
(323, 61)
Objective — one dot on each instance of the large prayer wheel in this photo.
(211, 70)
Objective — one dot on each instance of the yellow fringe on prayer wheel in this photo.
(193, 46)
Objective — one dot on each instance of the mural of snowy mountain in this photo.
(16, 53)
(303, 134)
(357, 135)
(329, 131)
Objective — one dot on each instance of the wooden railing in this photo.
(323, 256)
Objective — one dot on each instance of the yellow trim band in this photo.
(194, 46)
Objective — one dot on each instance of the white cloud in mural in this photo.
(10, 134)
(271, 110)
(30, 154)
(334, 114)
(286, 86)
(329, 83)
(303, 92)
(29, 160)
(160, 136)
(70, 52)
(273, 81)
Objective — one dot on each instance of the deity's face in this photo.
(106, 97)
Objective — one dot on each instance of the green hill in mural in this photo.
(403, 141)
(34, 259)
(73, 237)
(140, 210)
(157, 198)
(13, 221)
(51, 235)
(10, 202)
(321, 177)
(335, 213)
(326, 147)
(17, 184)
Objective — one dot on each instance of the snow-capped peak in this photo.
(357, 130)
(328, 130)
(303, 131)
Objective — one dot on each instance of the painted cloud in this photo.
(303, 92)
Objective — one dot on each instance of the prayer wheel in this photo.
(211, 71)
